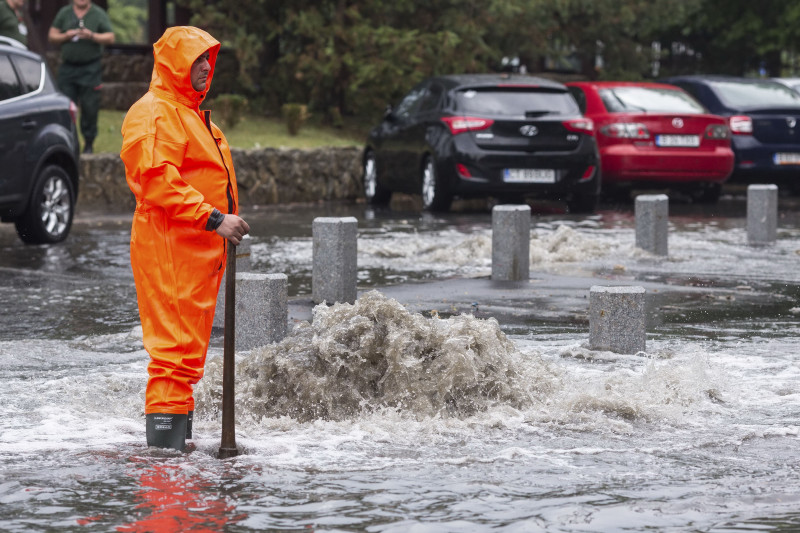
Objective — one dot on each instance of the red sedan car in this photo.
(655, 136)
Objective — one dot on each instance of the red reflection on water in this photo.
(172, 499)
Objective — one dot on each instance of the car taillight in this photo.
(625, 130)
(73, 111)
(581, 125)
(717, 132)
(461, 124)
(741, 125)
(463, 170)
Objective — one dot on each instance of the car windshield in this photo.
(649, 100)
(737, 94)
(515, 102)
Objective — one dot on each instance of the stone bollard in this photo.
(511, 242)
(617, 319)
(334, 257)
(242, 265)
(652, 215)
(762, 214)
(262, 309)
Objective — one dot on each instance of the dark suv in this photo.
(479, 135)
(38, 148)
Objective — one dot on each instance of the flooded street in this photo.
(482, 410)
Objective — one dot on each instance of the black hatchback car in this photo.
(480, 135)
(38, 148)
(764, 119)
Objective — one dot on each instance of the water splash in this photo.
(375, 354)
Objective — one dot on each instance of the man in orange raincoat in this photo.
(178, 166)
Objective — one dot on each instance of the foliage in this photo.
(230, 108)
(359, 55)
(295, 115)
(740, 37)
(129, 20)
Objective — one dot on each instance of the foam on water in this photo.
(450, 252)
(375, 357)
(376, 354)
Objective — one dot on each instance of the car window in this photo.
(431, 98)
(411, 102)
(30, 71)
(579, 96)
(648, 100)
(735, 94)
(9, 86)
(515, 102)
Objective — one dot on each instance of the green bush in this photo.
(295, 115)
(231, 108)
(335, 116)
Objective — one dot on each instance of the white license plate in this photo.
(680, 141)
(529, 175)
(784, 158)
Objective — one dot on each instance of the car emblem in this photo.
(529, 130)
(791, 122)
(677, 122)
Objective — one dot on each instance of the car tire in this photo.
(584, 204)
(708, 195)
(375, 193)
(48, 218)
(435, 196)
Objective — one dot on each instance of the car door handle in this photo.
(28, 124)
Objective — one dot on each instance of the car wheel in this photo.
(435, 197)
(374, 192)
(708, 195)
(583, 203)
(49, 215)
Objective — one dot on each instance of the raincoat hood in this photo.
(174, 53)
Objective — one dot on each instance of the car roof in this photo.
(12, 42)
(718, 77)
(18, 50)
(455, 81)
(610, 84)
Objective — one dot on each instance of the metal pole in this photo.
(228, 446)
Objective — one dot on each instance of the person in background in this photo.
(179, 167)
(82, 29)
(11, 21)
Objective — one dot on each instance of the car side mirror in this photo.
(388, 113)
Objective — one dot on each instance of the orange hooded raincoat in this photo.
(178, 166)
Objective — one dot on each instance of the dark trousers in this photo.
(88, 100)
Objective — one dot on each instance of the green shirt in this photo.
(82, 51)
(10, 24)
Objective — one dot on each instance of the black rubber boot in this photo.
(189, 425)
(167, 430)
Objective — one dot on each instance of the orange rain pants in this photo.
(178, 166)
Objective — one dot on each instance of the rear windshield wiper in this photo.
(534, 114)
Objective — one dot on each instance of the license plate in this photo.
(529, 175)
(784, 158)
(679, 141)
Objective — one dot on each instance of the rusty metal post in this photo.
(228, 446)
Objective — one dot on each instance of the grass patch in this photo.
(251, 132)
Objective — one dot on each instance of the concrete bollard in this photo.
(243, 263)
(511, 242)
(334, 258)
(262, 309)
(762, 214)
(617, 319)
(652, 215)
